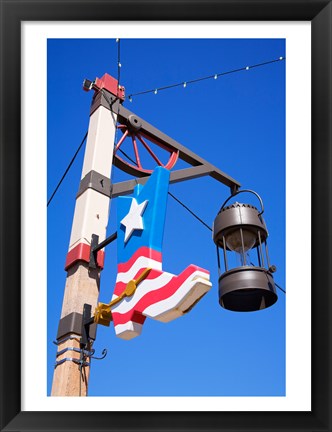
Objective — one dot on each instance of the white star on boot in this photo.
(134, 220)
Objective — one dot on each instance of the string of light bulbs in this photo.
(214, 76)
(118, 41)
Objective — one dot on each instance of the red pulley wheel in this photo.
(139, 140)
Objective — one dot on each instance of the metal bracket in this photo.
(93, 251)
(127, 187)
(65, 339)
(200, 167)
(103, 355)
(96, 246)
(84, 325)
(95, 181)
(205, 168)
(86, 353)
(74, 360)
(106, 99)
(87, 320)
(72, 323)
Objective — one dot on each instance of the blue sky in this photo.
(237, 123)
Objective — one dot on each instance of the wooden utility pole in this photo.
(90, 217)
(72, 364)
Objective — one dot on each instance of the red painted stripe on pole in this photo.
(81, 252)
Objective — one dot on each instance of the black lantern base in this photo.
(247, 289)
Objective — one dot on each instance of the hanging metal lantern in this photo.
(247, 283)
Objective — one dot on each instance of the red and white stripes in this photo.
(161, 295)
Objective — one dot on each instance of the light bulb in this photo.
(234, 241)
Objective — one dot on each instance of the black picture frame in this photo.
(12, 14)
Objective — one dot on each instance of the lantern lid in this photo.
(236, 216)
(237, 204)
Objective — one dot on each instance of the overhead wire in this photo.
(189, 210)
(86, 134)
(171, 195)
(155, 90)
(68, 168)
(117, 99)
(214, 76)
(184, 84)
(118, 86)
(280, 287)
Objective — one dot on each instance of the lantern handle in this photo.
(245, 190)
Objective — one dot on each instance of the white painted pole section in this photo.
(99, 147)
(92, 208)
(90, 217)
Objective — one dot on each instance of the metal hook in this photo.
(103, 355)
(241, 191)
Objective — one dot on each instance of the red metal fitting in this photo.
(110, 84)
(81, 252)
